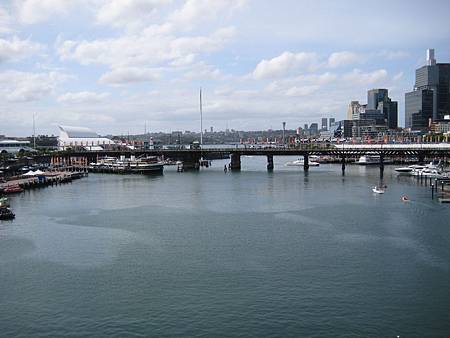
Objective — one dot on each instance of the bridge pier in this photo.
(343, 165)
(421, 157)
(270, 162)
(235, 161)
(306, 162)
(381, 165)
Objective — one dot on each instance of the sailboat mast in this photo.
(34, 132)
(201, 119)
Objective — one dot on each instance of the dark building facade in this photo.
(434, 79)
(378, 99)
(419, 109)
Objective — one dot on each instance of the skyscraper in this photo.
(434, 78)
(378, 99)
(331, 121)
(324, 123)
(419, 109)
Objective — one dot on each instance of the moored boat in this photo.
(11, 189)
(372, 160)
(313, 162)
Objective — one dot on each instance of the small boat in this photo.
(378, 190)
(6, 214)
(301, 162)
(13, 189)
(4, 202)
(405, 198)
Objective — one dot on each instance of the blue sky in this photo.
(114, 65)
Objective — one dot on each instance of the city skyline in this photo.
(114, 65)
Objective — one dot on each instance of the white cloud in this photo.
(82, 97)
(302, 91)
(16, 49)
(284, 64)
(36, 11)
(143, 49)
(366, 78)
(5, 21)
(134, 13)
(23, 87)
(129, 75)
(339, 59)
(393, 54)
(194, 12)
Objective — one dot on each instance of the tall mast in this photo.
(34, 131)
(201, 118)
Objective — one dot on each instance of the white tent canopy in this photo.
(33, 173)
(29, 173)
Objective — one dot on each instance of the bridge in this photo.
(191, 157)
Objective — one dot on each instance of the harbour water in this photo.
(214, 254)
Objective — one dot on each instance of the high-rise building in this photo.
(331, 121)
(353, 111)
(378, 99)
(314, 129)
(374, 96)
(324, 123)
(419, 109)
(434, 77)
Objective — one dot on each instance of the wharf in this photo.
(49, 178)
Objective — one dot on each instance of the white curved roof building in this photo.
(70, 137)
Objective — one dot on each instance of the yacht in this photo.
(313, 161)
(409, 169)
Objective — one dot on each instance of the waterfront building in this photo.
(434, 78)
(344, 128)
(81, 137)
(14, 146)
(374, 115)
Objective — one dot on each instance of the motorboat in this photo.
(409, 169)
(313, 161)
(372, 159)
(6, 214)
(378, 190)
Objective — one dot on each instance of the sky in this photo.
(125, 66)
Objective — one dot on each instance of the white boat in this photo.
(143, 165)
(409, 169)
(4, 202)
(313, 162)
(372, 159)
(378, 190)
